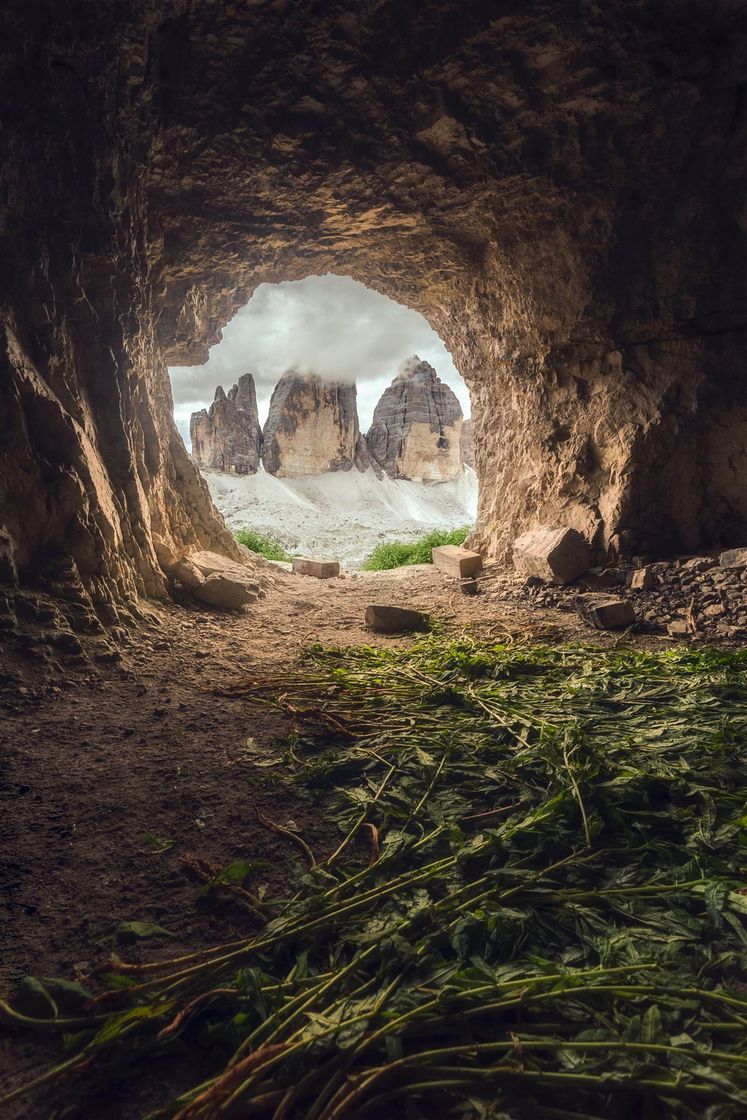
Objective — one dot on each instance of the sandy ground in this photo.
(109, 774)
(342, 515)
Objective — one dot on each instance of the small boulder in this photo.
(604, 612)
(455, 561)
(733, 558)
(553, 555)
(680, 628)
(643, 579)
(320, 569)
(224, 592)
(187, 573)
(395, 620)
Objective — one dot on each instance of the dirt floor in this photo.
(111, 772)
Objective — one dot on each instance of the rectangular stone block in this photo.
(320, 569)
(555, 555)
(395, 620)
(455, 561)
(604, 612)
(643, 579)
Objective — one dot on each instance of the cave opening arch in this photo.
(539, 185)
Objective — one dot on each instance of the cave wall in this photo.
(557, 186)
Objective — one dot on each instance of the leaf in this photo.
(651, 1025)
(239, 870)
(34, 1000)
(135, 931)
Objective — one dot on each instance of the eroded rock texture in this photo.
(557, 186)
(312, 427)
(417, 426)
(467, 443)
(227, 436)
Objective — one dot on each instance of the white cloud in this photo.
(330, 325)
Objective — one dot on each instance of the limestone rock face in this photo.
(312, 427)
(417, 426)
(227, 436)
(467, 444)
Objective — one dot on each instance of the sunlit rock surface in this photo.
(417, 426)
(312, 427)
(227, 436)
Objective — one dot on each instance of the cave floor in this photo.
(111, 773)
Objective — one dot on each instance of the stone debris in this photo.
(733, 558)
(456, 561)
(224, 592)
(469, 587)
(643, 579)
(417, 425)
(680, 628)
(320, 569)
(605, 612)
(556, 555)
(395, 620)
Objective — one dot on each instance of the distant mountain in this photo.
(417, 426)
(312, 428)
(227, 436)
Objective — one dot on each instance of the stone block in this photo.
(320, 569)
(733, 558)
(604, 612)
(554, 555)
(395, 620)
(455, 561)
(224, 592)
(643, 580)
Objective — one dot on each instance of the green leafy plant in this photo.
(536, 908)
(395, 554)
(269, 547)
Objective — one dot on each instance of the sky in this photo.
(330, 325)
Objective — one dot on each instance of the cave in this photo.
(558, 192)
(558, 188)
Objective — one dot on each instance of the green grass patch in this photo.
(269, 547)
(536, 907)
(395, 554)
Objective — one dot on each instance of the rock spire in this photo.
(416, 427)
(227, 436)
(312, 427)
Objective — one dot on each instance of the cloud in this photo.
(330, 325)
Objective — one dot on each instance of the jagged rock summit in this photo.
(312, 427)
(227, 436)
(417, 425)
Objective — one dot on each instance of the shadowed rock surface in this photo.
(227, 436)
(416, 427)
(558, 187)
(312, 427)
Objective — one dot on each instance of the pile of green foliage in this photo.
(269, 547)
(537, 907)
(394, 554)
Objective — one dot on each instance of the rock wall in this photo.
(228, 436)
(467, 444)
(417, 426)
(559, 187)
(312, 427)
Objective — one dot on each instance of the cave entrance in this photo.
(330, 421)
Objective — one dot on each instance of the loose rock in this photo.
(224, 592)
(456, 561)
(320, 569)
(733, 558)
(605, 612)
(395, 620)
(554, 555)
